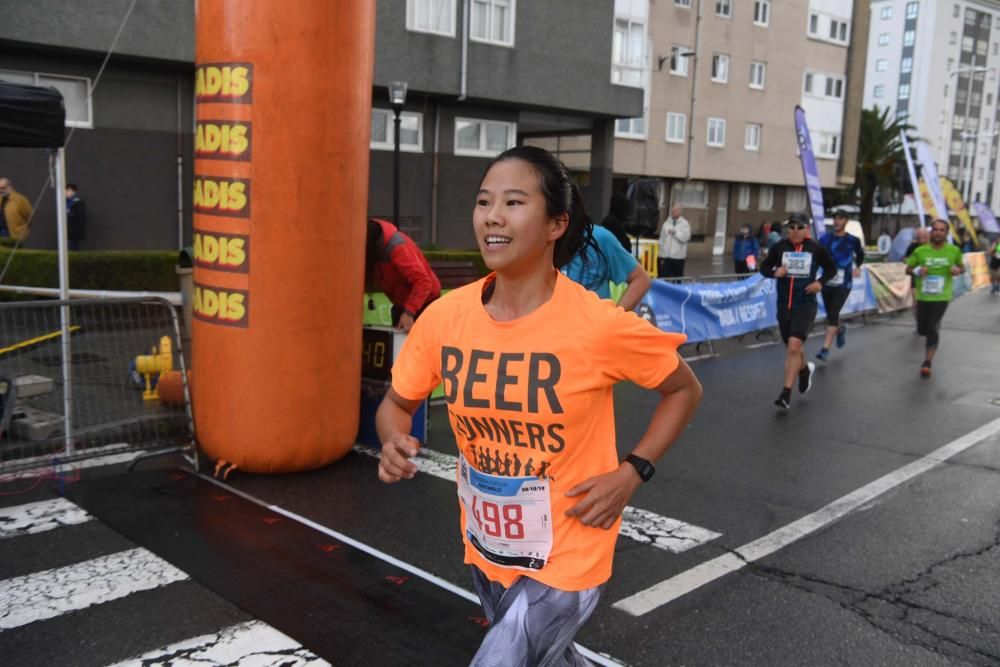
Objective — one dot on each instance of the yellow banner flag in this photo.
(954, 202)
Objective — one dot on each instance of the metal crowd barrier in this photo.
(78, 380)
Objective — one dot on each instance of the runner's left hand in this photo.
(857, 272)
(814, 287)
(956, 271)
(605, 497)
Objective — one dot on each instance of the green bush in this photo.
(128, 270)
(458, 256)
(135, 270)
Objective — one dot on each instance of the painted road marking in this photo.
(641, 525)
(40, 517)
(597, 658)
(251, 643)
(670, 589)
(47, 594)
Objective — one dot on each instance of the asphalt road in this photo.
(909, 575)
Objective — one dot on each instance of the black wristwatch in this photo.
(642, 466)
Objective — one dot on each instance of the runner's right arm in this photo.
(772, 261)
(393, 421)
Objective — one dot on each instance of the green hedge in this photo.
(458, 256)
(134, 270)
(127, 270)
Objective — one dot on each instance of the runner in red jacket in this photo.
(395, 265)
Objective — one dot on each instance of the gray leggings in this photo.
(531, 623)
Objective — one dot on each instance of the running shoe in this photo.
(784, 400)
(925, 369)
(806, 377)
(842, 336)
(823, 354)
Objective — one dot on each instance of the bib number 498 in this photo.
(498, 520)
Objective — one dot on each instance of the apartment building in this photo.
(482, 76)
(720, 82)
(935, 64)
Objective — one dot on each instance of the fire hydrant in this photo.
(154, 364)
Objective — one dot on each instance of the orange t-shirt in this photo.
(537, 402)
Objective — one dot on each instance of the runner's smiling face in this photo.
(515, 233)
(839, 224)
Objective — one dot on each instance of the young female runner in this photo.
(528, 359)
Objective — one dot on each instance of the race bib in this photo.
(507, 519)
(837, 280)
(932, 285)
(798, 264)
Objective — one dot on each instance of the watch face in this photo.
(642, 466)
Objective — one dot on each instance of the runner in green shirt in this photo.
(934, 265)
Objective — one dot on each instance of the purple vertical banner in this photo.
(810, 172)
(986, 218)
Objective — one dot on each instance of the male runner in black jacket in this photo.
(794, 262)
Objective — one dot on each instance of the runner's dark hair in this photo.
(562, 196)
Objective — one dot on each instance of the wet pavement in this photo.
(861, 527)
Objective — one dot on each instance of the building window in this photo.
(411, 131)
(883, 39)
(955, 11)
(795, 199)
(835, 87)
(676, 127)
(683, 3)
(765, 198)
(808, 85)
(716, 132)
(752, 141)
(838, 31)
(758, 72)
(989, 99)
(628, 52)
(724, 8)
(483, 138)
(979, 174)
(631, 128)
(881, 65)
(678, 62)
(904, 91)
(912, 9)
(814, 24)
(995, 47)
(878, 91)
(828, 145)
(968, 42)
(761, 12)
(434, 16)
(493, 21)
(689, 194)
(75, 91)
(906, 65)
(743, 197)
(908, 38)
(720, 68)
(953, 37)
(887, 12)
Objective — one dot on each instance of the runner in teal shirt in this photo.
(934, 265)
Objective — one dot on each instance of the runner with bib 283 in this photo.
(934, 264)
(528, 359)
(795, 262)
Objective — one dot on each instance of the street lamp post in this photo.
(397, 98)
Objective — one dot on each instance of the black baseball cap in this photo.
(798, 219)
(841, 213)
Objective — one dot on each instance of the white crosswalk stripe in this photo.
(74, 588)
(47, 594)
(252, 643)
(39, 517)
(641, 525)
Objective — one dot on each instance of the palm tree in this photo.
(880, 157)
